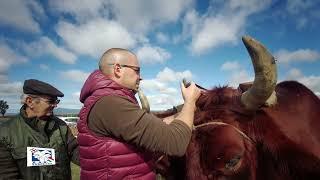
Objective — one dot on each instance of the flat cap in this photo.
(36, 87)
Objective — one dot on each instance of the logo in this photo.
(40, 156)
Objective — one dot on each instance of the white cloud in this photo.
(82, 10)
(152, 85)
(71, 101)
(47, 46)
(162, 38)
(230, 66)
(4, 66)
(161, 96)
(76, 94)
(14, 102)
(312, 81)
(101, 25)
(155, 86)
(152, 54)
(138, 16)
(238, 77)
(169, 91)
(164, 101)
(304, 12)
(143, 15)
(18, 14)
(37, 10)
(9, 57)
(215, 31)
(95, 37)
(247, 6)
(74, 75)
(3, 78)
(220, 25)
(10, 91)
(237, 73)
(190, 24)
(294, 73)
(298, 6)
(163, 92)
(301, 55)
(10, 88)
(167, 75)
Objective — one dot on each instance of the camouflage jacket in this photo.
(19, 133)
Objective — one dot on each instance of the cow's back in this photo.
(297, 115)
(291, 141)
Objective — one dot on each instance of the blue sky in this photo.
(60, 42)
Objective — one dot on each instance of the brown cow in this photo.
(269, 132)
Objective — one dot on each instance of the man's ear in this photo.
(29, 102)
(117, 70)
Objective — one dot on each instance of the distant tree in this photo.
(3, 107)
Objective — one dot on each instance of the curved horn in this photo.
(144, 101)
(265, 70)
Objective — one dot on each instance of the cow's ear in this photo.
(238, 108)
(243, 87)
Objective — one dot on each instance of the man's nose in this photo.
(140, 78)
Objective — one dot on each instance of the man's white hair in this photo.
(23, 98)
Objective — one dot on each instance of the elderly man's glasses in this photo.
(135, 68)
(48, 101)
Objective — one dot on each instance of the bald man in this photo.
(116, 136)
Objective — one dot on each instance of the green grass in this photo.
(75, 171)
(3, 119)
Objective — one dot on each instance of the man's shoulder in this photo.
(8, 130)
(112, 104)
(59, 121)
(10, 122)
(113, 99)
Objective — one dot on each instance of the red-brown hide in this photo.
(279, 142)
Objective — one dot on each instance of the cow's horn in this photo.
(144, 101)
(265, 75)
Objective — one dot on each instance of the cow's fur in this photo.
(278, 142)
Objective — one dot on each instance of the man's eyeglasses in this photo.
(48, 101)
(135, 68)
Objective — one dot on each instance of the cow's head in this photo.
(220, 147)
(220, 150)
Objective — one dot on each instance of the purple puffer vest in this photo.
(104, 157)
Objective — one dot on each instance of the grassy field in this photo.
(3, 119)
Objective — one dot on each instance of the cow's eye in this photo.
(232, 162)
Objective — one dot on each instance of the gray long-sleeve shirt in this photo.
(116, 117)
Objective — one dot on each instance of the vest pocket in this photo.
(19, 153)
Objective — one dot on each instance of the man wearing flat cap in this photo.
(35, 144)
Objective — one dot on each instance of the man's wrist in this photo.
(190, 105)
